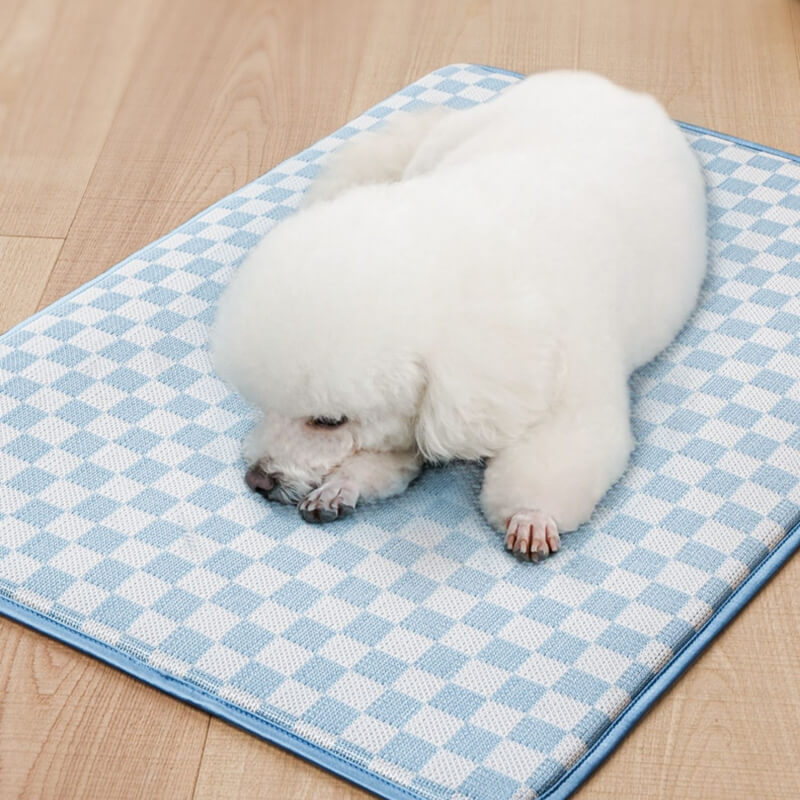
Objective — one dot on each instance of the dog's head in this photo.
(304, 335)
(315, 416)
(341, 356)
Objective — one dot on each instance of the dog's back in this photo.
(585, 182)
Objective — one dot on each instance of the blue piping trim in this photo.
(680, 662)
(501, 70)
(198, 697)
(759, 148)
(339, 765)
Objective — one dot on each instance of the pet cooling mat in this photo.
(402, 648)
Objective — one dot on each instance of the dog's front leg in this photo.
(361, 478)
(550, 481)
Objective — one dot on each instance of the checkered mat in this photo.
(402, 647)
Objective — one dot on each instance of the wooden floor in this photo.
(119, 119)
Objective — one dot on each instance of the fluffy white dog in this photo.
(464, 285)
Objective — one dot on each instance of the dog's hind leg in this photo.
(374, 157)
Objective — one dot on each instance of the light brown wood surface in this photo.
(119, 119)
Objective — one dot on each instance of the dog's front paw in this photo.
(334, 499)
(532, 534)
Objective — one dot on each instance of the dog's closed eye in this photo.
(327, 422)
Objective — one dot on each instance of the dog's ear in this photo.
(483, 391)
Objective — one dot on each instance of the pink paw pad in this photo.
(532, 534)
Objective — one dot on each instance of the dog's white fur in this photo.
(472, 284)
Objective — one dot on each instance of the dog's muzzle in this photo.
(269, 486)
(259, 481)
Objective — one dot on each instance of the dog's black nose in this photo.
(258, 480)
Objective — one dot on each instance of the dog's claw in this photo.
(532, 534)
(317, 515)
(333, 500)
(311, 515)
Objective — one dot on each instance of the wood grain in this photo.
(118, 121)
(236, 764)
(71, 727)
(729, 65)
(224, 92)
(522, 35)
(63, 67)
(25, 265)
(730, 726)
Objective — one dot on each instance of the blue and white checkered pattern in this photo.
(404, 639)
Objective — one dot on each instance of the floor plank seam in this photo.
(135, 60)
(202, 756)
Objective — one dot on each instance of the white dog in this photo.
(470, 284)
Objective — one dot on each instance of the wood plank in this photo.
(237, 764)
(247, 84)
(794, 13)
(25, 265)
(726, 64)
(62, 72)
(258, 84)
(121, 227)
(72, 727)
(522, 35)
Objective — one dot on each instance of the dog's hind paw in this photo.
(333, 500)
(532, 534)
